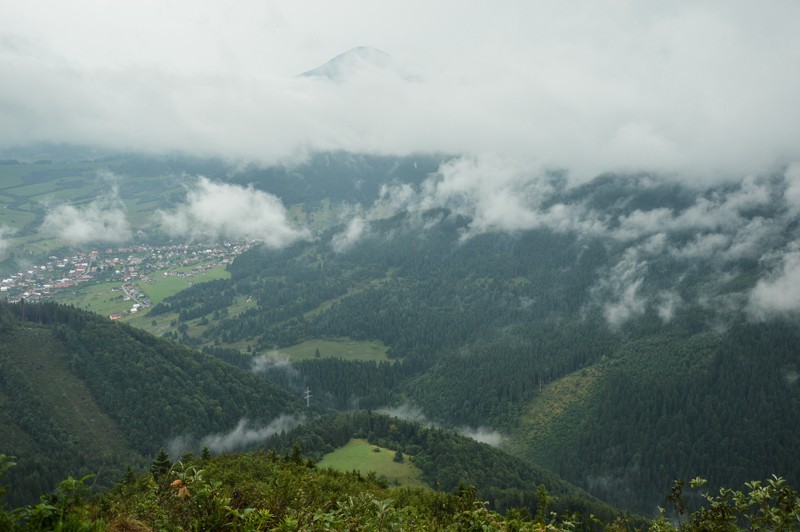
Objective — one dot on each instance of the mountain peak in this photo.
(356, 59)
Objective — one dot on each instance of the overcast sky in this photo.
(694, 88)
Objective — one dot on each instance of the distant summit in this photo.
(357, 59)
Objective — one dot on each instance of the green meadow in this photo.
(107, 298)
(360, 455)
(344, 348)
(166, 285)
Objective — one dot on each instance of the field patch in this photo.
(164, 286)
(326, 305)
(554, 417)
(361, 456)
(106, 298)
(343, 348)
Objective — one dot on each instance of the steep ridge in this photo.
(81, 393)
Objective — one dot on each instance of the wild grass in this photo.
(554, 417)
(107, 298)
(344, 348)
(360, 455)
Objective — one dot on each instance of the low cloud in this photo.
(415, 414)
(219, 210)
(713, 225)
(272, 361)
(496, 193)
(541, 81)
(503, 194)
(483, 435)
(393, 199)
(641, 223)
(179, 445)
(628, 303)
(666, 304)
(791, 194)
(345, 240)
(245, 435)
(779, 293)
(407, 412)
(102, 220)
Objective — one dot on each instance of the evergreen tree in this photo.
(129, 477)
(161, 464)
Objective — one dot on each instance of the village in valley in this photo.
(132, 267)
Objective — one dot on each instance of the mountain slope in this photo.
(448, 461)
(666, 407)
(593, 322)
(480, 320)
(80, 391)
(350, 62)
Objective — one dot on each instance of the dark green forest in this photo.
(616, 346)
(479, 327)
(448, 461)
(83, 395)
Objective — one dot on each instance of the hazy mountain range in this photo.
(571, 232)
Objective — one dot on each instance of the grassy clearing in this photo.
(101, 298)
(39, 244)
(344, 348)
(323, 216)
(12, 217)
(297, 213)
(107, 298)
(554, 417)
(50, 192)
(12, 175)
(360, 455)
(163, 322)
(351, 291)
(164, 286)
(138, 215)
(241, 304)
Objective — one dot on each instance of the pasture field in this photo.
(344, 348)
(13, 217)
(29, 191)
(166, 285)
(106, 298)
(360, 455)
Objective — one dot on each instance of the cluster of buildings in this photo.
(128, 265)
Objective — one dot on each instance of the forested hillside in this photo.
(652, 290)
(597, 324)
(569, 232)
(81, 394)
(669, 407)
(269, 491)
(448, 461)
